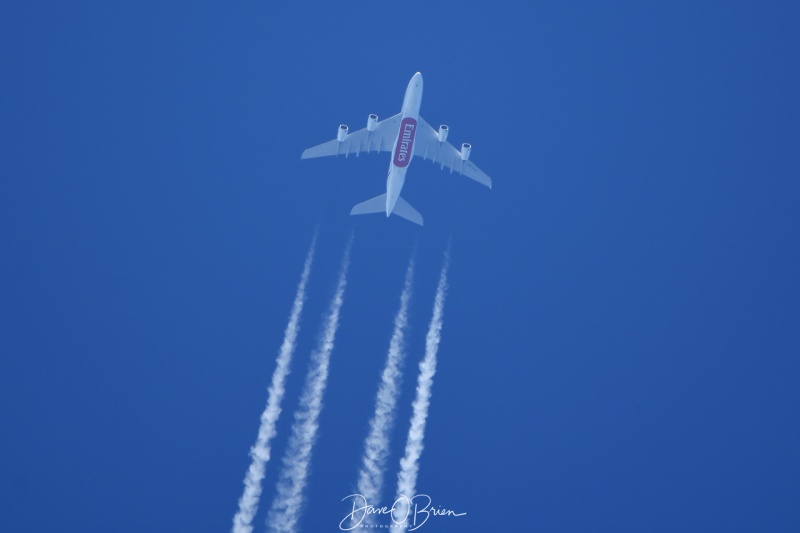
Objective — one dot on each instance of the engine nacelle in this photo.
(372, 121)
(443, 131)
(466, 148)
(342, 134)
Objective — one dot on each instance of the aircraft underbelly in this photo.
(403, 150)
(394, 184)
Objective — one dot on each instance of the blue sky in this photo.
(621, 336)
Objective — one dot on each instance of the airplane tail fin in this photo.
(378, 205)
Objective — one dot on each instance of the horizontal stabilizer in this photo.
(373, 205)
(378, 205)
(404, 209)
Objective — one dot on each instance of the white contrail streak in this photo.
(376, 446)
(285, 511)
(409, 464)
(260, 452)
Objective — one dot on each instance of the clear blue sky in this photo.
(621, 338)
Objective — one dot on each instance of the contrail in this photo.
(285, 511)
(409, 464)
(376, 446)
(260, 452)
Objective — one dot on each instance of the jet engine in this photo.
(372, 121)
(466, 148)
(342, 135)
(443, 131)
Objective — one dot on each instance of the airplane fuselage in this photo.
(404, 145)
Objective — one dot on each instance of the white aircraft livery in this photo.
(405, 135)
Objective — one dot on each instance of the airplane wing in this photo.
(427, 146)
(381, 139)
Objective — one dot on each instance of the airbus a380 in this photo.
(404, 135)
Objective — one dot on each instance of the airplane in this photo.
(404, 135)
